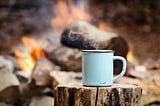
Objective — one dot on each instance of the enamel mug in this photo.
(97, 67)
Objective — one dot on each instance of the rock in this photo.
(42, 101)
(4, 62)
(40, 72)
(50, 43)
(59, 77)
(69, 59)
(9, 86)
(4, 104)
(14, 61)
(152, 75)
(82, 35)
(29, 90)
(155, 65)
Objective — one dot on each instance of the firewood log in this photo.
(82, 35)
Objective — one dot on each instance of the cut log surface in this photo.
(116, 95)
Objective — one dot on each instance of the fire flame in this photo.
(68, 12)
(130, 57)
(137, 66)
(30, 55)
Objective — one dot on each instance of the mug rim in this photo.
(98, 51)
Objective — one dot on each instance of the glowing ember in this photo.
(30, 55)
(103, 26)
(132, 60)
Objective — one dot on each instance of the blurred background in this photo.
(33, 32)
(136, 21)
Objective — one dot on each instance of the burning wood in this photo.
(134, 64)
(83, 35)
(30, 54)
(130, 57)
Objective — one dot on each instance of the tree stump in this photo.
(116, 95)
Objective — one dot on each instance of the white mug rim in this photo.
(99, 51)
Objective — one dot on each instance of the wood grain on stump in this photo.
(116, 95)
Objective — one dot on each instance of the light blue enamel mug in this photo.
(97, 67)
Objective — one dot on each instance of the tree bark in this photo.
(116, 95)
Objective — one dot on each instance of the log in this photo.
(82, 35)
(116, 95)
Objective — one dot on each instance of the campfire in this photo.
(28, 57)
(134, 65)
(130, 57)
(55, 33)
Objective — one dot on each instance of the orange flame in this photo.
(68, 12)
(30, 55)
(130, 57)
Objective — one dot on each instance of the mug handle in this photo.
(123, 68)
